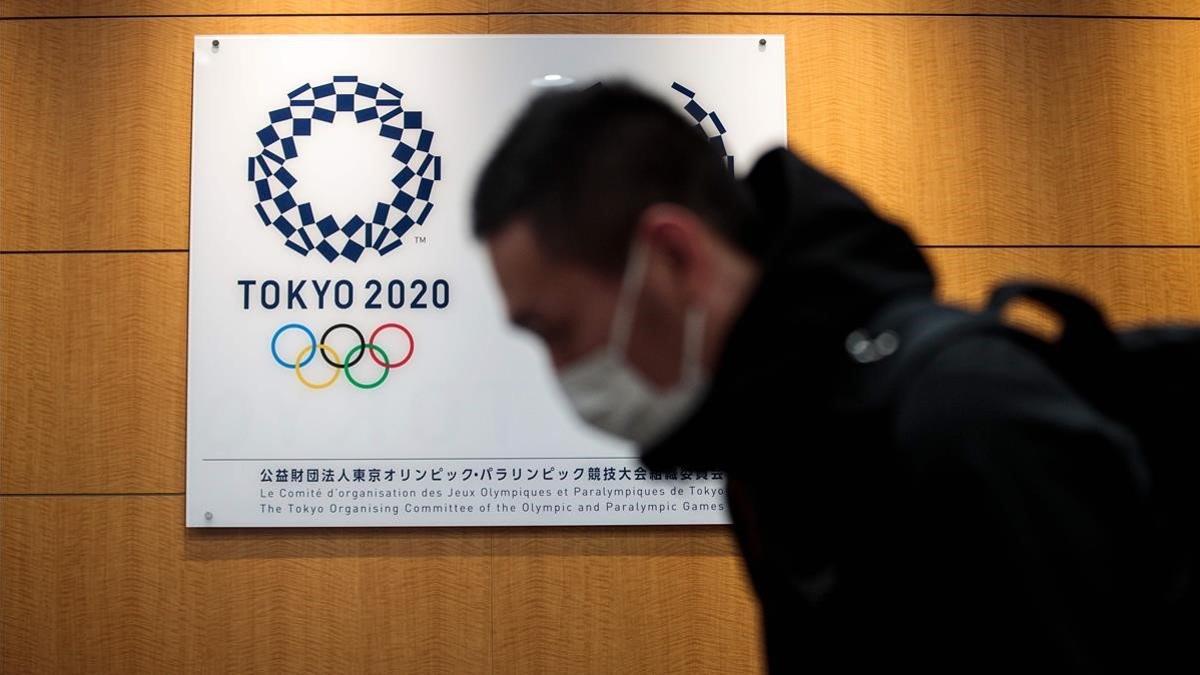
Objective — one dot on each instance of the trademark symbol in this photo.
(419, 239)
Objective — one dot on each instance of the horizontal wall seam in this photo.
(952, 15)
(92, 494)
(922, 246)
(98, 250)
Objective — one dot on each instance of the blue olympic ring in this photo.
(311, 338)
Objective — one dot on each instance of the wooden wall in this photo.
(1050, 138)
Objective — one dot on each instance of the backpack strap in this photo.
(1087, 351)
(1083, 325)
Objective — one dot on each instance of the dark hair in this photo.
(583, 164)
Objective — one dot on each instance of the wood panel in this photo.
(977, 130)
(68, 8)
(1148, 8)
(95, 8)
(118, 585)
(623, 600)
(92, 372)
(1132, 285)
(96, 117)
(972, 130)
(986, 131)
(92, 350)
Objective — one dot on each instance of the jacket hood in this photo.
(840, 259)
(828, 262)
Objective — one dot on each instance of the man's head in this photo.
(582, 179)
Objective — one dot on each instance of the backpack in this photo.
(1147, 379)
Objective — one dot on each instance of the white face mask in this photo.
(610, 394)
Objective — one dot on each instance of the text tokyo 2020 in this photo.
(343, 294)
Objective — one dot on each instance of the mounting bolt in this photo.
(208, 515)
(762, 42)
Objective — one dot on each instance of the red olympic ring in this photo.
(412, 344)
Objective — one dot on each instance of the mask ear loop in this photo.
(631, 287)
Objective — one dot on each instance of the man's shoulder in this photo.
(988, 398)
(981, 373)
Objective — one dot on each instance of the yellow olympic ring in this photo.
(336, 371)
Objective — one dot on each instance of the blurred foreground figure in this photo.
(973, 513)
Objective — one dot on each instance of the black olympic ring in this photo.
(361, 343)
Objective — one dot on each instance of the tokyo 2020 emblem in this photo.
(381, 226)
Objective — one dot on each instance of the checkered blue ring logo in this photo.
(707, 122)
(382, 227)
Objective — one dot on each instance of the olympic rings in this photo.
(374, 348)
(323, 347)
(311, 348)
(325, 338)
(412, 344)
(353, 356)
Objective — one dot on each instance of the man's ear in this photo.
(679, 236)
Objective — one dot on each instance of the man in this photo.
(983, 522)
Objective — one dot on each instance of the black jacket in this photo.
(982, 523)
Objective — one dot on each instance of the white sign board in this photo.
(349, 359)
